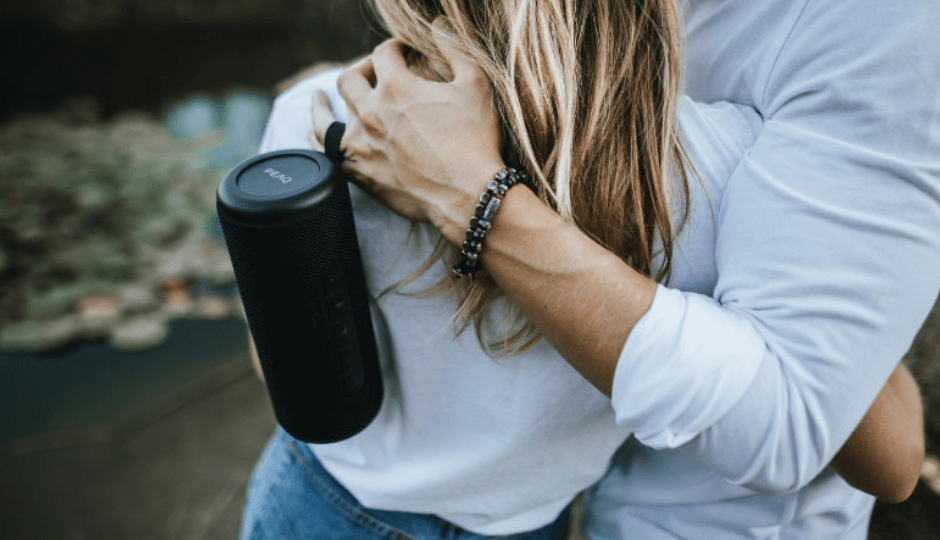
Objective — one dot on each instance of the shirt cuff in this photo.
(685, 364)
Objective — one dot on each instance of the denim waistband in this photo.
(391, 524)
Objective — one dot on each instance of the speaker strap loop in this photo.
(331, 140)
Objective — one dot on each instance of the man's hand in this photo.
(425, 149)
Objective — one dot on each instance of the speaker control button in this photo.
(349, 373)
(337, 309)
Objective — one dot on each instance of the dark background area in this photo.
(138, 68)
(146, 55)
(102, 443)
(140, 445)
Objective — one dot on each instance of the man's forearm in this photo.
(883, 456)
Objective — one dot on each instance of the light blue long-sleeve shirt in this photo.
(826, 259)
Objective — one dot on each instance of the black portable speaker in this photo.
(288, 224)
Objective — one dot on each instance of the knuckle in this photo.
(390, 87)
(343, 81)
(383, 48)
(372, 122)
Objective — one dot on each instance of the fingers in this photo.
(315, 144)
(356, 82)
(322, 115)
(388, 60)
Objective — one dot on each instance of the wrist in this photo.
(452, 219)
(479, 225)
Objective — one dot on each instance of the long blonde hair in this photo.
(588, 93)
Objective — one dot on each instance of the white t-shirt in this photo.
(494, 446)
(827, 261)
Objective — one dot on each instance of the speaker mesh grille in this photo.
(279, 271)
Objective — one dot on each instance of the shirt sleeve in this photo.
(827, 253)
(290, 120)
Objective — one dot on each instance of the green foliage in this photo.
(87, 206)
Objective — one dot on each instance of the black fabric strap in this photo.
(334, 134)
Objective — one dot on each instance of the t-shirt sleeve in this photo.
(827, 253)
(290, 120)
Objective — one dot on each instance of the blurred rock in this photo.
(99, 209)
(138, 298)
(99, 313)
(140, 332)
(41, 335)
(176, 292)
(212, 307)
(47, 300)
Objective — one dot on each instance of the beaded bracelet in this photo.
(482, 220)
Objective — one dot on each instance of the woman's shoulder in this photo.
(290, 120)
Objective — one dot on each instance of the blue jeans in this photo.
(291, 496)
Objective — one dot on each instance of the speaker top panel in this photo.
(280, 175)
(278, 186)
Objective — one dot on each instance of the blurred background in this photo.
(127, 404)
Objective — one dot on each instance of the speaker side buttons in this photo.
(337, 308)
(342, 329)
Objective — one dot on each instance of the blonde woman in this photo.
(729, 329)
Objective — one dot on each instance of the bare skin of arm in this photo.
(883, 456)
(603, 297)
(596, 298)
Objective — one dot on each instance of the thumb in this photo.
(322, 115)
(462, 67)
